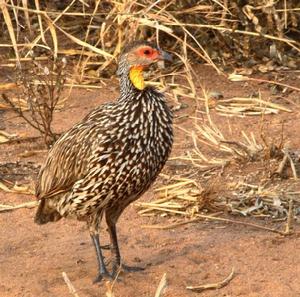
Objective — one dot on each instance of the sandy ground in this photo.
(33, 258)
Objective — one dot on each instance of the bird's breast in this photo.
(142, 146)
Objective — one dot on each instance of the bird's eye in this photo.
(147, 52)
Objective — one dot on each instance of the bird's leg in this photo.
(102, 272)
(117, 265)
(114, 248)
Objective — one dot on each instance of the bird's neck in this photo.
(126, 86)
(132, 81)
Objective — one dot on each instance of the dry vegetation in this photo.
(269, 193)
(41, 86)
(233, 37)
(222, 33)
(237, 38)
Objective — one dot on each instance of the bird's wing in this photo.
(68, 159)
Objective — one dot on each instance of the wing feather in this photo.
(67, 161)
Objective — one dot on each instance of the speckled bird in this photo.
(110, 158)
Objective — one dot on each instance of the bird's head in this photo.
(136, 57)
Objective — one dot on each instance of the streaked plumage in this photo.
(109, 159)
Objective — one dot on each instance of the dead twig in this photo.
(287, 160)
(21, 189)
(282, 166)
(109, 289)
(239, 77)
(6, 137)
(293, 167)
(200, 217)
(213, 286)
(6, 207)
(162, 286)
(70, 285)
(290, 217)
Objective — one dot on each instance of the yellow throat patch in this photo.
(136, 77)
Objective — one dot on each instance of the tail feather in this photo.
(46, 213)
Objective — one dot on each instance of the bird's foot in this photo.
(125, 268)
(103, 275)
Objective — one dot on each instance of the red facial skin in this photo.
(148, 52)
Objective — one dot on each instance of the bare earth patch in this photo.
(266, 264)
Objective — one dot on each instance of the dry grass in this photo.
(224, 34)
(266, 192)
(216, 32)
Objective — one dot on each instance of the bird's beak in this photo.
(165, 56)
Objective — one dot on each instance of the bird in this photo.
(111, 157)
